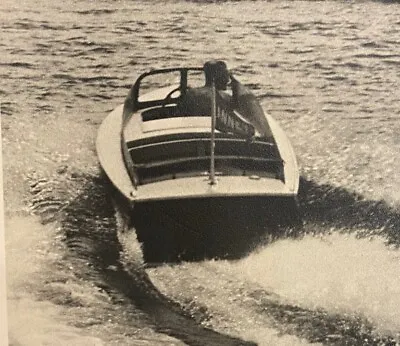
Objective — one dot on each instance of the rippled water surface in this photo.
(328, 71)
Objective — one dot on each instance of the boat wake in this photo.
(90, 231)
(314, 287)
(334, 288)
(337, 209)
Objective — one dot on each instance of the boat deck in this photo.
(181, 147)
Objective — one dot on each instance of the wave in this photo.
(342, 209)
(90, 232)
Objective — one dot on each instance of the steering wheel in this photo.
(168, 97)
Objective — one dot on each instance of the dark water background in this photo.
(328, 71)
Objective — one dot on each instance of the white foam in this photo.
(32, 322)
(339, 273)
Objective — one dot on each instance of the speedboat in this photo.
(197, 182)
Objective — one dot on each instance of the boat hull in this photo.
(161, 160)
(219, 227)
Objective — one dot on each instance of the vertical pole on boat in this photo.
(213, 122)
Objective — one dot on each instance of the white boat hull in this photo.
(158, 159)
(111, 160)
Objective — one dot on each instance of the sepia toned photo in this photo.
(196, 172)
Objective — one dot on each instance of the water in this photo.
(329, 72)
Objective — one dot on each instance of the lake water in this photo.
(328, 71)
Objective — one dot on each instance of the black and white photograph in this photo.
(200, 172)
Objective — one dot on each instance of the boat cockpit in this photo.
(158, 97)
